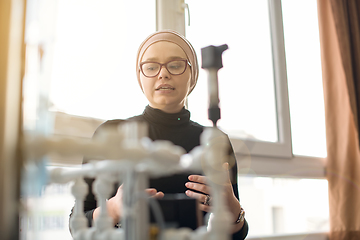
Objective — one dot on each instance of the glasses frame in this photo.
(165, 65)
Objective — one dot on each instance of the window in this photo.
(95, 55)
(284, 206)
(90, 55)
(253, 84)
(242, 86)
(48, 217)
(303, 65)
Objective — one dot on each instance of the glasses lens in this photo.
(150, 69)
(176, 67)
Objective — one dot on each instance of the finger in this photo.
(151, 191)
(119, 190)
(204, 208)
(198, 187)
(198, 178)
(158, 195)
(198, 196)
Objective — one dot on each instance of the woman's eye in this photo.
(174, 66)
(151, 67)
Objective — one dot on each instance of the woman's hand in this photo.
(200, 184)
(114, 204)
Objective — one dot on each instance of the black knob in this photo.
(211, 56)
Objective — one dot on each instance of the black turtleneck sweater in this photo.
(181, 131)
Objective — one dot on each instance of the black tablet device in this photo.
(178, 211)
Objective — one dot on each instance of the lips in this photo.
(165, 87)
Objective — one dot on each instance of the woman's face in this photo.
(165, 91)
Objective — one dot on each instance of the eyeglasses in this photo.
(174, 67)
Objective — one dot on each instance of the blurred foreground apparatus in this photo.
(132, 158)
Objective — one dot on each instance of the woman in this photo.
(167, 71)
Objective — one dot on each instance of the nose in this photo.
(164, 73)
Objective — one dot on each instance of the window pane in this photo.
(246, 82)
(81, 56)
(94, 60)
(302, 46)
(284, 205)
(47, 217)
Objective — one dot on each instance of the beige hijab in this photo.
(174, 37)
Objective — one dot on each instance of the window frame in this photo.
(171, 15)
(282, 148)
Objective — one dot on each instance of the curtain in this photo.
(340, 53)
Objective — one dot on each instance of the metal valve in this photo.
(211, 57)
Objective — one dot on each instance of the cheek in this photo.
(144, 84)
